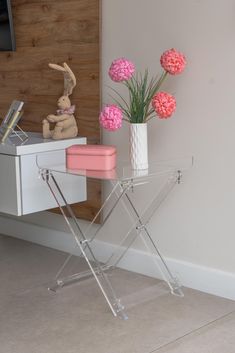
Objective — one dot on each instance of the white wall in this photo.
(197, 223)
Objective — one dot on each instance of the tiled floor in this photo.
(77, 319)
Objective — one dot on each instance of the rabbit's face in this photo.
(64, 102)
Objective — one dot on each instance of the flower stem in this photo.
(156, 88)
(149, 118)
(162, 79)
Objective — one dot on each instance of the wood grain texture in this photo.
(55, 31)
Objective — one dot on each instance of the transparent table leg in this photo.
(87, 232)
(83, 243)
(172, 281)
(139, 225)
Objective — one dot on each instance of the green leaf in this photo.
(141, 91)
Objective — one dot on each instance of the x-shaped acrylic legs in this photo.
(138, 228)
(96, 269)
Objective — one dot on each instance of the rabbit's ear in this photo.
(57, 67)
(69, 80)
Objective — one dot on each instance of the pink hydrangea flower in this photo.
(173, 61)
(121, 70)
(164, 104)
(111, 117)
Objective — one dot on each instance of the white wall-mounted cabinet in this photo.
(22, 191)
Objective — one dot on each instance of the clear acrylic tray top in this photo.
(123, 170)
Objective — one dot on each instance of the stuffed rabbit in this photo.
(65, 123)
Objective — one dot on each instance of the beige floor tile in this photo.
(10, 247)
(25, 265)
(77, 319)
(217, 337)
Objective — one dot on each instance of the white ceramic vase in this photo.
(139, 146)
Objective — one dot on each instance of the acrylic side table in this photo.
(123, 181)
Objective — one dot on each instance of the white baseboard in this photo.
(201, 278)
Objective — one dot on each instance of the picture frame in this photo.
(10, 121)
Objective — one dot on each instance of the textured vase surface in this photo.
(138, 146)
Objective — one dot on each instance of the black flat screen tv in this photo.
(7, 37)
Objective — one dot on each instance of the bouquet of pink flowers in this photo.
(145, 100)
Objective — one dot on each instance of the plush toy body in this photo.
(65, 123)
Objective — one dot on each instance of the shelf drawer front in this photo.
(10, 191)
(35, 193)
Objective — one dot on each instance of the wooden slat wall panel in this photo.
(55, 31)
